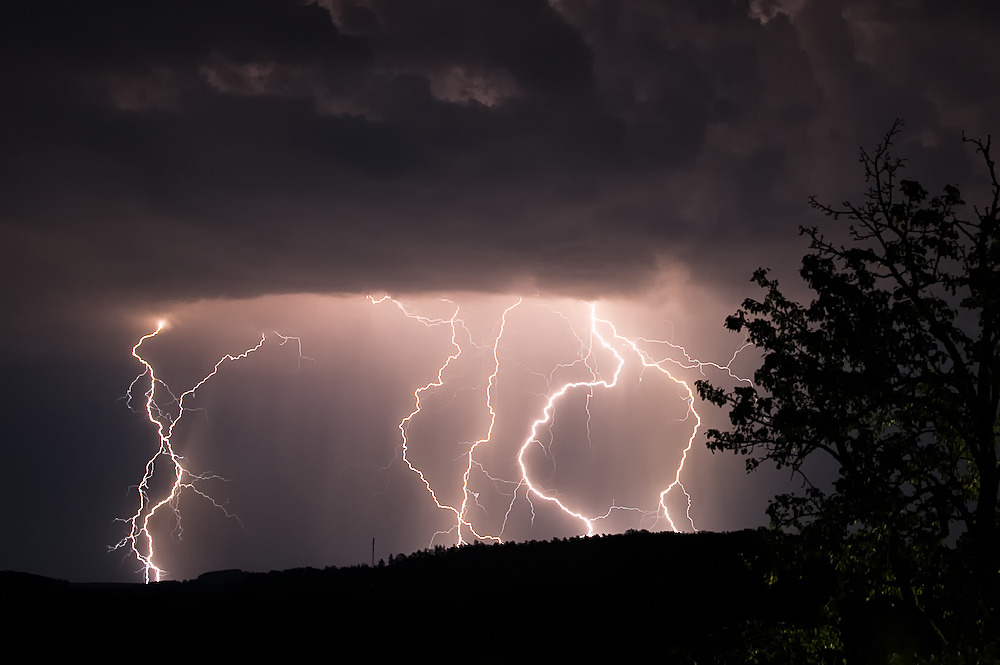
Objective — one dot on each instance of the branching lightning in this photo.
(139, 540)
(598, 357)
(603, 334)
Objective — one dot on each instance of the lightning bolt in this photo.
(602, 334)
(139, 540)
(454, 323)
(592, 351)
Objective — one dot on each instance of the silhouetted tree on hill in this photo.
(893, 373)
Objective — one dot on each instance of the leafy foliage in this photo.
(893, 373)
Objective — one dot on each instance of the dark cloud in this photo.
(170, 150)
(162, 151)
(118, 35)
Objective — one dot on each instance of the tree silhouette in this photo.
(893, 373)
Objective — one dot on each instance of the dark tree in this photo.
(893, 373)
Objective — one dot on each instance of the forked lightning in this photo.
(165, 409)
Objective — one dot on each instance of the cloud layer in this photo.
(178, 150)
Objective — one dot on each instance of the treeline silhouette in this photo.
(705, 598)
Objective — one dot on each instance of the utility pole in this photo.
(373, 552)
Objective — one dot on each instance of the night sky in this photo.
(238, 167)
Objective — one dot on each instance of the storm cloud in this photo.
(178, 150)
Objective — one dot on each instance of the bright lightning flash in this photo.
(602, 333)
(165, 414)
(597, 346)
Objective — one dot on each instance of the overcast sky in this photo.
(243, 166)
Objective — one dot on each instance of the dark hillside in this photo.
(689, 597)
